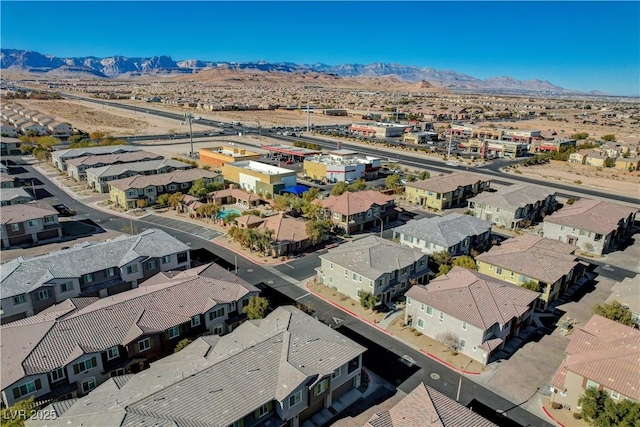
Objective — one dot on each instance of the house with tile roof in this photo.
(603, 354)
(455, 233)
(358, 211)
(14, 196)
(28, 223)
(277, 371)
(482, 312)
(514, 207)
(551, 264)
(627, 293)
(32, 284)
(98, 177)
(72, 347)
(595, 226)
(289, 234)
(59, 157)
(127, 192)
(446, 191)
(427, 407)
(76, 168)
(374, 265)
(7, 180)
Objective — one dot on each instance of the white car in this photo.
(455, 165)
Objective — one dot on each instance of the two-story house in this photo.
(372, 265)
(76, 168)
(128, 192)
(595, 226)
(602, 354)
(481, 312)
(360, 210)
(59, 157)
(455, 233)
(98, 177)
(551, 264)
(31, 284)
(278, 371)
(446, 191)
(513, 207)
(72, 347)
(14, 196)
(29, 223)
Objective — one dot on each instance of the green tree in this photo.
(609, 162)
(600, 410)
(466, 262)
(392, 181)
(257, 308)
(230, 218)
(97, 135)
(443, 269)
(615, 311)
(41, 153)
(531, 285)
(441, 257)
(175, 199)
(13, 415)
(26, 148)
(424, 175)
(317, 230)
(199, 189)
(182, 344)
(47, 141)
(580, 135)
(358, 185)
(208, 210)
(163, 199)
(367, 300)
(76, 138)
(411, 177)
(339, 188)
(609, 137)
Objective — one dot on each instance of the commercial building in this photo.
(28, 223)
(145, 189)
(59, 158)
(71, 348)
(446, 191)
(219, 156)
(420, 137)
(288, 152)
(551, 264)
(480, 312)
(98, 177)
(378, 130)
(602, 354)
(594, 226)
(341, 165)
(76, 167)
(261, 178)
(30, 285)
(496, 148)
(277, 371)
(372, 265)
(514, 207)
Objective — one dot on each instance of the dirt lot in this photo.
(627, 183)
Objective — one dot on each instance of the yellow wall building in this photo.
(258, 177)
(446, 191)
(219, 156)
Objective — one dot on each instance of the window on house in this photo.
(464, 326)
(592, 384)
(195, 320)
(331, 266)
(88, 385)
(174, 332)
(403, 285)
(87, 278)
(85, 365)
(336, 372)
(19, 299)
(218, 330)
(420, 323)
(263, 410)
(463, 342)
(330, 279)
(356, 277)
(422, 262)
(33, 223)
(166, 259)
(321, 387)
(295, 399)
(404, 270)
(152, 265)
(597, 237)
(499, 270)
(113, 352)
(57, 374)
(48, 219)
(66, 287)
(615, 395)
(43, 294)
(149, 190)
(27, 388)
(441, 316)
(111, 272)
(15, 227)
(144, 345)
(216, 313)
(132, 269)
(430, 310)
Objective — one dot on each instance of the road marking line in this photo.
(291, 267)
(302, 296)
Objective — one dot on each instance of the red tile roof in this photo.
(352, 203)
(592, 215)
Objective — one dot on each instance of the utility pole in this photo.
(189, 117)
(450, 138)
(308, 103)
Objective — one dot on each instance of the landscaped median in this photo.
(398, 330)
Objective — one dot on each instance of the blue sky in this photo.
(576, 45)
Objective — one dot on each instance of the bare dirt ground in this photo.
(606, 179)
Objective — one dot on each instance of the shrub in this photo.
(577, 415)
(556, 405)
(519, 172)
(417, 333)
(577, 181)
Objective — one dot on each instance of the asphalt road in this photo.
(385, 355)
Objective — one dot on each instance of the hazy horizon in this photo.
(581, 46)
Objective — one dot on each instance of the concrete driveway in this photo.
(184, 226)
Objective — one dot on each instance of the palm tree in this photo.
(265, 240)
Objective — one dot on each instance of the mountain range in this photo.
(123, 67)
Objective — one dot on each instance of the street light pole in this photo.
(460, 382)
(450, 139)
(189, 118)
(308, 102)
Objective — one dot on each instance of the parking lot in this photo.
(186, 227)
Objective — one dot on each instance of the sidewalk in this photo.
(384, 324)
